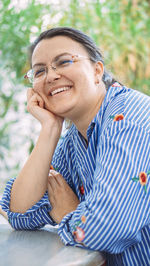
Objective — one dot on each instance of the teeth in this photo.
(60, 90)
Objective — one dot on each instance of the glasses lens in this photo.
(38, 73)
(29, 75)
(62, 62)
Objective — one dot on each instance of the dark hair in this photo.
(83, 39)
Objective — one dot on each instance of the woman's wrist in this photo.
(50, 134)
(52, 128)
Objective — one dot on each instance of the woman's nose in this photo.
(52, 75)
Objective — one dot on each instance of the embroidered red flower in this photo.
(77, 223)
(83, 219)
(116, 84)
(79, 234)
(142, 178)
(117, 117)
(52, 168)
(82, 190)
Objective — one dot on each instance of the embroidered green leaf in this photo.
(145, 188)
(74, 228)
(77, 223)
(135, 179)
(111, 116)
(148, 172)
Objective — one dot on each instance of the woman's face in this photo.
(79, 79)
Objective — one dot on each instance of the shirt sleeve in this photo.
(118, 206)
(36, 217)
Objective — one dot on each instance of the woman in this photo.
(99, 192)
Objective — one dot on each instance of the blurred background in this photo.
(120, 28)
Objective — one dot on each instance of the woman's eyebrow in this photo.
(57, 56)
(55, 59)
(38, 64)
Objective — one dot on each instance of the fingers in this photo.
(57, 184)
(63, 200)
(50, 191)
(30, 93)
(33, 99)
(52, 182)
(53, 188)
(58, 178)
(41, 102)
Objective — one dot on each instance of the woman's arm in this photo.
(31, 183)
(38, 215)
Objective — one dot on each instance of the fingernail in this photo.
(53, 172)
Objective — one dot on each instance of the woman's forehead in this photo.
(49, 48)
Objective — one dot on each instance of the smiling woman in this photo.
(92, 190)
(69, 66)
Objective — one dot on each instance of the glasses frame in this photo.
(75, 58)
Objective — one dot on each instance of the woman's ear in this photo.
(99, 71)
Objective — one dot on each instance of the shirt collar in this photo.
(112, 91)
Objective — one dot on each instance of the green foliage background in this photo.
(120, 28)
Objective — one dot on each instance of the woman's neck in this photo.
(83, 122)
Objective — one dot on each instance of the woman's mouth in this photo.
(66, 88)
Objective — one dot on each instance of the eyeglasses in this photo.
(59, 65)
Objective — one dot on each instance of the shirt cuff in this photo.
(70, 230)
(35, 217)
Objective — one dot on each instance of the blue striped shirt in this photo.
(110, 176)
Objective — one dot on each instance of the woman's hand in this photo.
(63, 200)
(36, 106)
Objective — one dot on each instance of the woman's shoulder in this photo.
(126, 107)
(137, 109)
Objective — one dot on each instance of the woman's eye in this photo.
(39, 72)
(65, 62)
